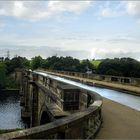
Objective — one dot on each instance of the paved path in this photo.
(119, 122)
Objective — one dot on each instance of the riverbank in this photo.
(119, 122)
(119, 87)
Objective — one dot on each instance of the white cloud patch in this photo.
(133, 8)
(43, 9)
(107, 12)
(110, 9)
(44, 51)
(119, 45)
(100, 53)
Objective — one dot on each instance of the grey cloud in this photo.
(133, 8)
(44, 51)
(119, 54)
(122, 40)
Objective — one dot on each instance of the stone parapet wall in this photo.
(108, 78)
(102, 81)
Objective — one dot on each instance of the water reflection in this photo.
(10, 111)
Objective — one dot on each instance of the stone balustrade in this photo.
(108, 78)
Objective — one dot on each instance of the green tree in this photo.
(16, 62)
(51, 61)
(36, 62)
(127, 67)
(86, 65)
(45, 64)
(2, 75)
(63, 63)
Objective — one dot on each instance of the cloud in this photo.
(44, 51)
(101, 53)
(117, 45)
(111, 9)
(133, 8)
(70, 6)
(107, 12)
(123, 39)
(43, 9)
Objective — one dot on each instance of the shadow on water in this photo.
(10, 110)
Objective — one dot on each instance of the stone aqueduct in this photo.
(56, 110)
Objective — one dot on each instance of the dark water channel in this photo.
(10, 110)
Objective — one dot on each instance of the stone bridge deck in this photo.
(120, 122)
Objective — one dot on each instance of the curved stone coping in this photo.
(97, 99)
(60, 124)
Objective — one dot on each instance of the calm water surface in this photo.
(10, 111)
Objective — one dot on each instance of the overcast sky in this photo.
(82, 29)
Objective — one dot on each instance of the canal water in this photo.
(131, 101)
(10, 111)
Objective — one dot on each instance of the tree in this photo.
(126, 67)
(63, 63)
(16, 62)
(52, 60)
(2, 75)
(45, 64)
(86, 65)
(36, 62)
